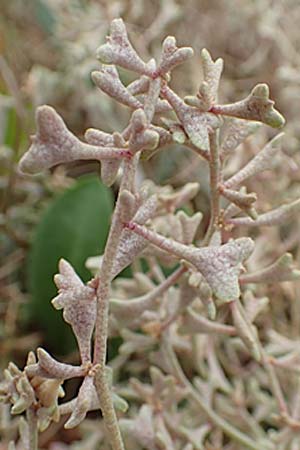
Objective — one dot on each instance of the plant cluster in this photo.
(196, 368)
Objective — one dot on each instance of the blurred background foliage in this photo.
(47, 52)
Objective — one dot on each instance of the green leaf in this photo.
(74, 227)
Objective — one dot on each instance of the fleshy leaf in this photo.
(203, 100)
(245, 330)
(172, 55)
(241, 199)
(220, 265)
(129, 313)
(194, 323)
(196, 124)
(236, 131)
(132, 245)
(189, 225)
(83, 404)
(79, 306)
(48, 367)
(281, 270)
(212, 71)
(109, 82)
(109, 167)
(118, 50)
(278, 216)
(55, 144)
(264, 160)
(257, 106)
(141, 136)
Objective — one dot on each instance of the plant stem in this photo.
(274, 383)
(110, 252)
(32, 429)
(107, 408)
(214, 164)
(101, 331)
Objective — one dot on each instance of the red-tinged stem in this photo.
(216, 109)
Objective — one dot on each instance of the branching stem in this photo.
(101, 332)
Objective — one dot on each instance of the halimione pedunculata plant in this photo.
(198, 373)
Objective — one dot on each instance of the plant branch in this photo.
(107, 408)
(101, 332)
(214, 164)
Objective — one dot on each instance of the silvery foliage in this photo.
(208, 298)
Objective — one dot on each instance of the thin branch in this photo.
(101, 332)
(214, 165)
